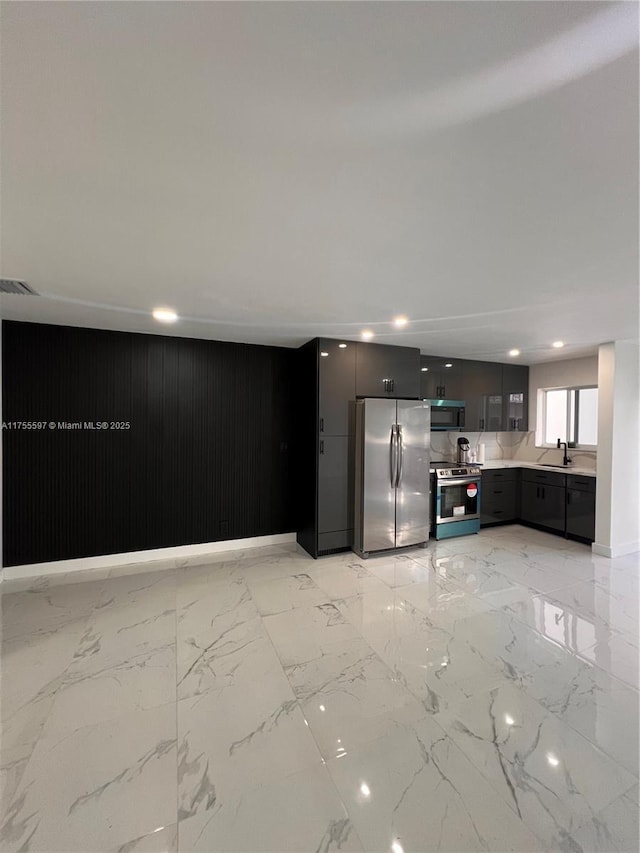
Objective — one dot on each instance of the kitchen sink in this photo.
(553, 465)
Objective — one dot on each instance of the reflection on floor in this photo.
(479, 694)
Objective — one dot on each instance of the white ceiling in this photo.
(278, 171)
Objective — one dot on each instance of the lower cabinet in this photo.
(581, 507)
(560, 502)
(542, 498)
(499, 497)
(335, 524)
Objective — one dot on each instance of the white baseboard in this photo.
(185, 553)
(616, 550)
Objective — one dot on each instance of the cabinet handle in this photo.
(322, 447)
(497, 491)
(321, 424)
(498, 511)
(543, 497)
(568, 497)
(393, 382)
(537, 491)
(481, 423)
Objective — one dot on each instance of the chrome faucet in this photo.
(565, 459)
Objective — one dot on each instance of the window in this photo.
(571, 415)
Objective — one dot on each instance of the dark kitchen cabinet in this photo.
(336, 385)
(326, 385)
(499, 496)
(542, 498)
(482, 385)
(439, 381)
(387, 371)
(333, 484)
(515, 397)
(581, 507)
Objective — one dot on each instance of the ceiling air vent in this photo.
(11, 285)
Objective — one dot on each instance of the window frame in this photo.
(541, 431)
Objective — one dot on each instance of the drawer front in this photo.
(499, 502)
(551, 478)
(583, 484)
(499, 475)
(494, 514)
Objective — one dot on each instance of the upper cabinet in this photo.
(441, 378)
(483, 396)
(515, 397)
(387, 371)
(336, 385)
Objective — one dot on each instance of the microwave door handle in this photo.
(400, 444)
(393, 457)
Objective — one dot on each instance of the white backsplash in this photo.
(505, 445)
(524, 447)
(444, 445)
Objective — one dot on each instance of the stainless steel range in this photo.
(456, 500)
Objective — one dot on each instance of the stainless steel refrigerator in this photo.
(391, 474)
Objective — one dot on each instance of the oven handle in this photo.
(464, 481)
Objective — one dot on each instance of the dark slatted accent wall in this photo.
(206, 458)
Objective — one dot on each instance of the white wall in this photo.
(618, 471)
(555, 374)
(559, 374)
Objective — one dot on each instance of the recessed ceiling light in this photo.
(365, 790)
(324, 354)
(401, 321)
(366, 335)
(557, 344)
(424, 369)
(448, 364)
(553, 761)
(165, 315)
(514, 352)
(342, 346)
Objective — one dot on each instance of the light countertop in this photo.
(492, 464)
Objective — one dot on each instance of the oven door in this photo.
(457, 500)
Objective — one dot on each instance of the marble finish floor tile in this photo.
(162, 840)
(259, 700)
(400, 569)
(552, 777)
(298, 813)
(430, 661)
(592, 702)
(614, 829)
(415, 790)
(305, 633)
(618, 655)
(579, 614)
(504, 641)
(97, 788)
(343, 581)
(349, 697)
(282, 594)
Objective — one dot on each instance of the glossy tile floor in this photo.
(479, 694)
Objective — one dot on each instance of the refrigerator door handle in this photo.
(393, 457)
(400, 455)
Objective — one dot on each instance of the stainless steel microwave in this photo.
(446, 414)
